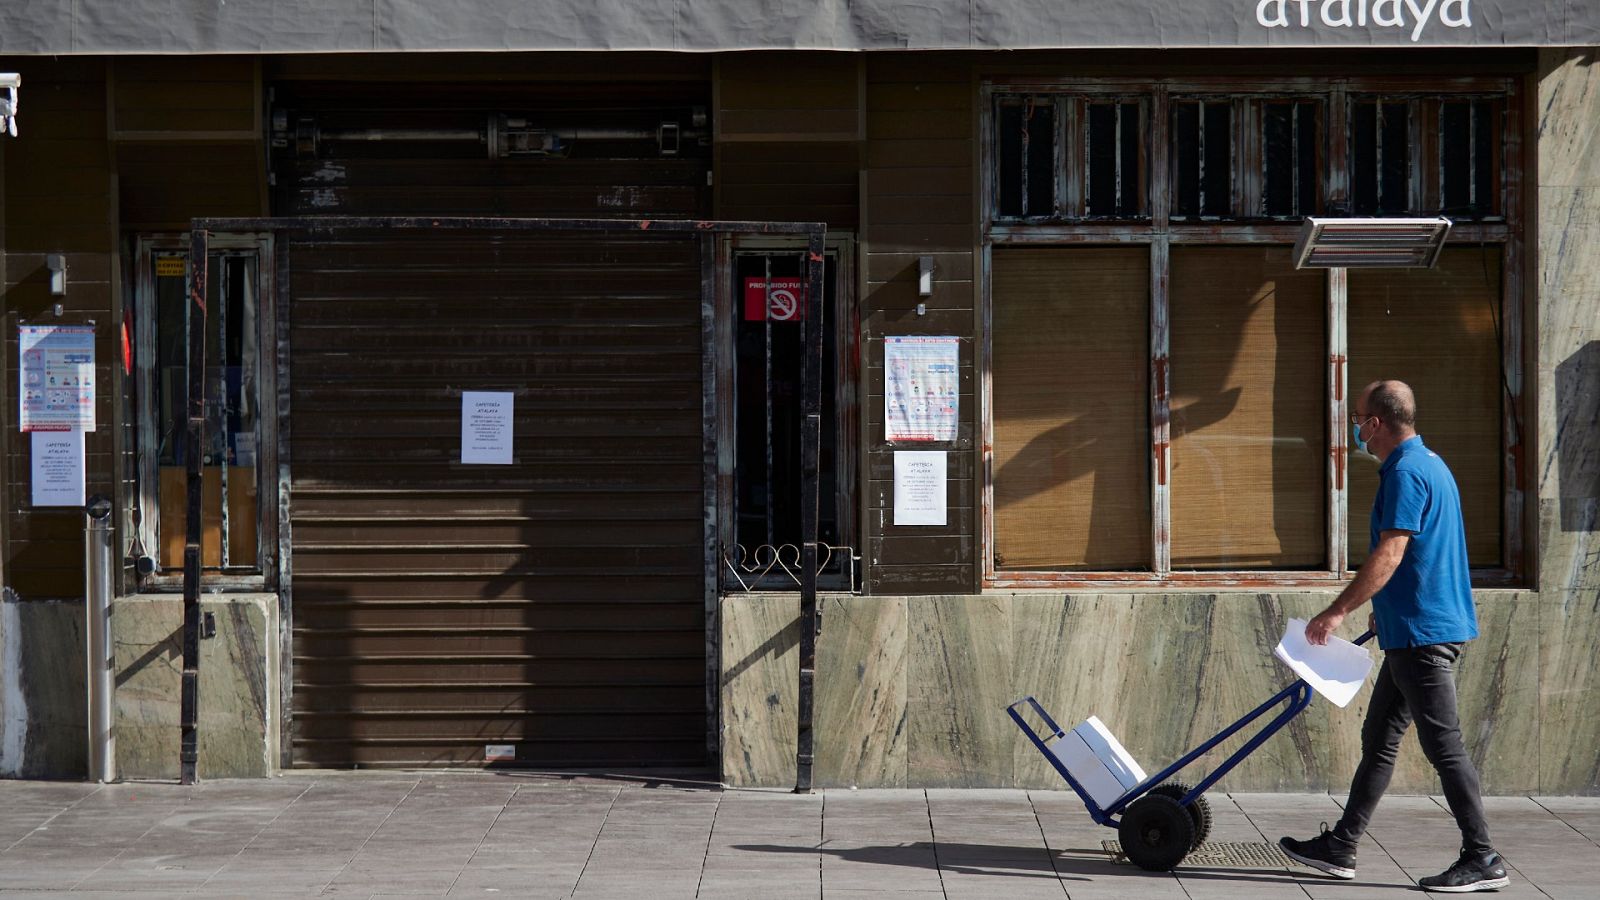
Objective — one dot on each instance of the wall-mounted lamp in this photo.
(56, 263)
(924, 282)
(10, 85)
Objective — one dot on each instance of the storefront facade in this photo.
(1146, 470)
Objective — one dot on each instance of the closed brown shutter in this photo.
(555, 603)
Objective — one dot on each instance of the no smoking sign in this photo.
(784, 303)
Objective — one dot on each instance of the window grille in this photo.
(1069, 158)
(1468, 158)
(1291, 142)
(1203, 159)
(1380, 157)
(1114, 140)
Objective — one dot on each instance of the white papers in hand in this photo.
(1335, 670)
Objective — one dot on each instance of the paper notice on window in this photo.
(922, 381)
(1335, 670)
(919, 487)
(486, 418)
(58, 476)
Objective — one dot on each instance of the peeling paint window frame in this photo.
(1426, 173)
(1162, 231)
(1072, 153)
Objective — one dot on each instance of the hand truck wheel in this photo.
(1156, 832)
(1199, 810)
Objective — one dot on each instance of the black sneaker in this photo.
(1325, 853)
(1472, 872)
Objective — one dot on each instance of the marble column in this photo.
(1568, 415)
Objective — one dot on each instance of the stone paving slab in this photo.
(559, 837)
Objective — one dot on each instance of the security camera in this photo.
(10, 83)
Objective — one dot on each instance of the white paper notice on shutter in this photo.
(919, 487)
(486, 418)
(921, 387)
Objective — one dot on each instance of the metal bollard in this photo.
(97, 562)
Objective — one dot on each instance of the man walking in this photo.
(1416, 576)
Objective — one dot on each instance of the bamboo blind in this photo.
(1435, 330)
(1071, 408)
(1248, 361)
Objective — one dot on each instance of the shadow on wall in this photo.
(1578, 438)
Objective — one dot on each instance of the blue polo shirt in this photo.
(1428, 600)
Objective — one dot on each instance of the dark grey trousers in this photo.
(1416, 684)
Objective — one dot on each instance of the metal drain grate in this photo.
(1225, 854)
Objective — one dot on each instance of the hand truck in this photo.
(1159, 822)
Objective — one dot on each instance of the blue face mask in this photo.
(1355, 438)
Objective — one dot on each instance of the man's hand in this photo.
(1371, 578)
(1322, 625)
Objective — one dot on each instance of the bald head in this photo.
(1393, 402)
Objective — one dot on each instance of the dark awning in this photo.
(310, 26)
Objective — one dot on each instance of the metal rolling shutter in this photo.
(556, 603)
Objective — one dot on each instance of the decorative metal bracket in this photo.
(751, 568)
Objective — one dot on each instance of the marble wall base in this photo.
(238, 686)
(43, 702)
(1567, 416)
(912, 690)
(43, 699)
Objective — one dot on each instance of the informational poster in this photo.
(920, 490)
(486, 418)
(57, 375)
(58, 476)
(922, 381)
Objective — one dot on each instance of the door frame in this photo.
(843, 328)
(813, 234)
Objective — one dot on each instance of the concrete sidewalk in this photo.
(549, 836)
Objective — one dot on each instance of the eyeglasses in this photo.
(1358, 419)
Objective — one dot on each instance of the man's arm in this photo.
(1374, 574)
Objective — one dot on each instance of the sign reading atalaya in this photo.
(1416, 15)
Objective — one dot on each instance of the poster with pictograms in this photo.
(921, 399)
(57, 375)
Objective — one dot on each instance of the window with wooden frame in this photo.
(1165, 396)
(1064, 158)
(1246, 157)
(1416, 155)
(760, 341)
(239, 474)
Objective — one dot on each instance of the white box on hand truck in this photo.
(1098, 761)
